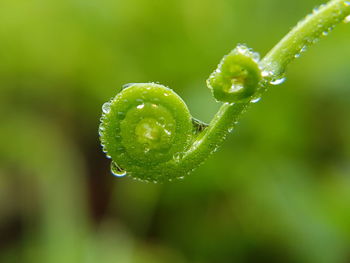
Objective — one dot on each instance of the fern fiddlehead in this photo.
(147, 129)
(144, 128)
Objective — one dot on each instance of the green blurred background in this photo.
(277, 191)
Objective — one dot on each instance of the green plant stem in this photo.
(306, 33)
(211, 138)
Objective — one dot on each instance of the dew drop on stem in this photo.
(116, 170)
(347, 19)
(278, 81)
(106, 107)
(127, 85)
(255, 100)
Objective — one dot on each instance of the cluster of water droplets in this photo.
(268, 78)
(115, 169)
(321, 31)
(248, 52)
(347, 19)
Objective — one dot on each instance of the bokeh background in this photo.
(277, 191)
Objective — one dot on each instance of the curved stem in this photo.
(306, 33)
(211, 138)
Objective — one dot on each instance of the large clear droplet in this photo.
(255, 100)
(347, 19)
(106, 107)
(116, 170)
(278, 81)
(266, 73)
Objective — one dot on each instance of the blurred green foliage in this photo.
(278, 191)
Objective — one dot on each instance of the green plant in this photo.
(148, 131)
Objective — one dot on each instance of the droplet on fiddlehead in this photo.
(237, 77)
(347, 19)
(127, 85)
(106, 107)
(145, 130)
(277, 81)
(116, 170)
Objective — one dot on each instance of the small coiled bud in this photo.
(237, 77)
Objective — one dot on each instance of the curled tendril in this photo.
(237, 77)
(148, 131)
(144, 128)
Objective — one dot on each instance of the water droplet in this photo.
(177, 157)
(116, 170)
(106, 107)
(347, 3)
(230, 129)
(243, 49)
(347, 19)
(303, 49)
(128, 85)
(266, 73)
(256, 56)
(167, 132)
(215, 149)
(236, 87)
(141, 106)
(315, 40)
(255, 100)
(101, 129)
(325, 33)
(279, 81)
(297, 55)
